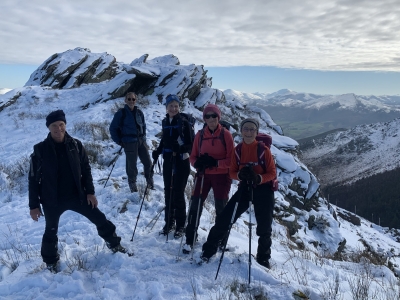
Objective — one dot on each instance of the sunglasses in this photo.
(131, 99)
(211, 116)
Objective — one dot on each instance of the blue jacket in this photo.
(133, 125)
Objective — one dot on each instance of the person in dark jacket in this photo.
(175, 146)
(128, 129)
(60, 179)
(254, 185)
(211, 156)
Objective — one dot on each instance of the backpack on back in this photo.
(263, 140)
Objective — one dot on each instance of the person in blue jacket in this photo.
(128, 129)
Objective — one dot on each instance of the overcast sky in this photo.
(346, 35)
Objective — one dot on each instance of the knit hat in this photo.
(57, 115)
(250, 120)
(212, 108)
(171, 98)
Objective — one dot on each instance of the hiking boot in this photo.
(133, 187)
(204, 258)
(119, 248)
(167, 230)
(179, 232)
(187, 249)
(264, 262)
(53, 268)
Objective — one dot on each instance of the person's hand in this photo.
(155, 155)
(199, 163)
(92, 200)
(248, 174)
(35, 214)
(211, 162)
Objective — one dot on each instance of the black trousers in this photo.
(105, 228)
(263, 201)
(175, 171)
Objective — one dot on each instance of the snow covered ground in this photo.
(157, 270)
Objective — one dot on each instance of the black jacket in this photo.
(170, 135)
(43, 171)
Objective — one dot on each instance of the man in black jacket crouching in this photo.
(60, 179)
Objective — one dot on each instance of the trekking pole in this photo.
(250, 231)
(155, 219)
(187, 217)
(170, 192)
(197, 216)
(229, 231)
(141, 205)
(114, 160)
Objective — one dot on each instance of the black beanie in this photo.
(57, 115)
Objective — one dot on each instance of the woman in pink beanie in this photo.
(211, 156)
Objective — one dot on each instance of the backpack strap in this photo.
(221, 137)
(261, 155)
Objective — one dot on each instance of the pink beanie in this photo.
(212, 108)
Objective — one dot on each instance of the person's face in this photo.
(57, 131)
(211, 119)
(249, 132)
(130, 100)
(172, 108)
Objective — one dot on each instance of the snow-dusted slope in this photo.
(307, 232)
(360, 152)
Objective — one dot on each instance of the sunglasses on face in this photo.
(251, 130)
(131, 99)
(211, 116)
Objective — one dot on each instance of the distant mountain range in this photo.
(304, 114)
(4, 90)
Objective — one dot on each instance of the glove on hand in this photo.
(155, 155)
(248, 174)
(200, 163)
(211, 161)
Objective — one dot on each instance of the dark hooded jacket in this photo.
(43, 171)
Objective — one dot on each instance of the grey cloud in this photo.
(307, 34)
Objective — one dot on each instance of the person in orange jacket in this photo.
(251, 176)
(211, 156)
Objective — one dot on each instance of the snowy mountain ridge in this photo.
(313, 242)
(346, 156)
(350, 101)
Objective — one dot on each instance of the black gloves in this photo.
(210, 161)
(200, 163)
(155, 155)
(205, 161)
(248, 174)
